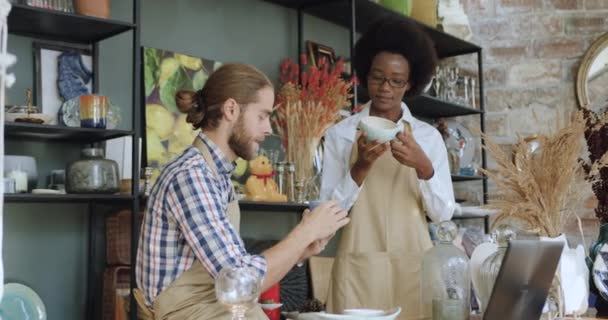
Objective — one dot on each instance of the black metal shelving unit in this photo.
(272, 206)
(50, 133)
(72, 198)
(357, 16)
(46, 24)
(458, 178)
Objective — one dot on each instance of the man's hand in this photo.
(315, 248)
(409, 153)
(324, 220)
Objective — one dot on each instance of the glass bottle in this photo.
(291, 177)
(446, 278)
(280, 177)
(491, 265)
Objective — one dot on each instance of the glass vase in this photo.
(300, 190)
(446, 278)
(306, 159)
(488, 272)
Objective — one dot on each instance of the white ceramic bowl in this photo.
(379, 129)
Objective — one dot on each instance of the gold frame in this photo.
(317, 50)
(581, 76)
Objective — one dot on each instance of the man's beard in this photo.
(240, 143)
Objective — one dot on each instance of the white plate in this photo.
(46, 191)
(363, 312)
(270, 306)
(21, 302)
(384, 315)
(461, 138)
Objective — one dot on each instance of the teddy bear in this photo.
(260, 185)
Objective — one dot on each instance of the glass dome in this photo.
(446, 278)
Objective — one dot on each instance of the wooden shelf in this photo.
(42, 132)
(49, 24)
(338, 12)
(67, 198)
(457, 178)
(246, 205)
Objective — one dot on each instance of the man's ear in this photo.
(231, 110)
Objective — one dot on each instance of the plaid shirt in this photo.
(186, 220)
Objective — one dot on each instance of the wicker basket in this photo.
(118, 237)
(116, 284)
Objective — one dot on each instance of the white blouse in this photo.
(337, 183)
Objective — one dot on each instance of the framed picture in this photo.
(317, 51)
(167, 132)
(62, 72)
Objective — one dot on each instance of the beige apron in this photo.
(192, 295)
(380, 251)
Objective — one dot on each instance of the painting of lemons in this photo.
(167, 132)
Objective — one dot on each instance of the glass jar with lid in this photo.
(92, 173)
(446, 278)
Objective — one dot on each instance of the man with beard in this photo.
(190, 229)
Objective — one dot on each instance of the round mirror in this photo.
(592, 77)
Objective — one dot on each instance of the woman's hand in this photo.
(409, 153)
(367, 154)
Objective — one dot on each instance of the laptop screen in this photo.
(524, 279)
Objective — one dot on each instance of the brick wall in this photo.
(532, 49)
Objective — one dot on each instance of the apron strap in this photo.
(143, 311)
(204, 150)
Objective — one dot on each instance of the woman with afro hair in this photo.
(390, 188)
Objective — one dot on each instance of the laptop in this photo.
(524, 279)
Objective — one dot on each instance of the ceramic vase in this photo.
(573, 278)
(95, 8)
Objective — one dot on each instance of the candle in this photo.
(20, 178)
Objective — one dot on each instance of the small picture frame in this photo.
(317, 51)
(347, 68)
(62, 72)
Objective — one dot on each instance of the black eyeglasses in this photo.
(395, 83)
